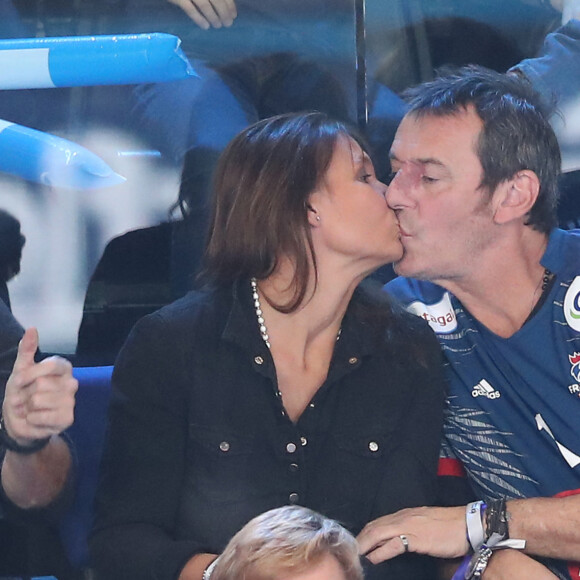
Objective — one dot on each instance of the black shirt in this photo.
(199, 442)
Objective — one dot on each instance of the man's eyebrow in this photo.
(421, 160)
(430, 161)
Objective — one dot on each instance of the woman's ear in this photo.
(516, 196)
(313, 215)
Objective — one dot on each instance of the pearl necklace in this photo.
(259, 313)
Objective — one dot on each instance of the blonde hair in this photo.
(287, 540)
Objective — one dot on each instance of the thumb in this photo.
(26, 350)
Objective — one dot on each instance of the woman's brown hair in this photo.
(262, 185)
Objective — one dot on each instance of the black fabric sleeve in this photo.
(453, 491)
(10, 334)
(412, 477)
(420, 430)
(139, 492)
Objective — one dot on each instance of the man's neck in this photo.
(503, 288)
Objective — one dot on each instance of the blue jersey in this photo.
(514, 403)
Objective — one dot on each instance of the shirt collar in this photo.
(358, 337)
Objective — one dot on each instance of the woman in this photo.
(283, 382)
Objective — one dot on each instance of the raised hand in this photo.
(209, 13)
(40, 397)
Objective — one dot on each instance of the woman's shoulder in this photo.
(194, 321)
(210, 305)
(406, 336)
(375, 305)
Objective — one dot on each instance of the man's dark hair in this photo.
(516, 134)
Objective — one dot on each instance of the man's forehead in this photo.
(432, 139)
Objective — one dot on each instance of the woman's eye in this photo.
(366, 177)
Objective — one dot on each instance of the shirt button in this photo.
(352, 360)
(258, 360)
(293, 467)
(224, 446)
(291, 447)
(303, 441)
(373, 446)
(293, 497)
(311, 405)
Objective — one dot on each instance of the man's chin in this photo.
(404, 267)
(401, 267)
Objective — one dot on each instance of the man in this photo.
(475, 167)
(290, 543)
(38, 404)
(11, 244)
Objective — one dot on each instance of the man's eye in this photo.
(428, 179)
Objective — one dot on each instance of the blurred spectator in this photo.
(255, 59)
(11, 244)
(139, 272)
(37, 404)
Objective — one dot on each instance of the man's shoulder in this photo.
(562, 255)
(426, 300)
(572, 242)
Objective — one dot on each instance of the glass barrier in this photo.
(351, 58)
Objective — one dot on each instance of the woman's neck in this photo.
(320, 313)
(301, 342)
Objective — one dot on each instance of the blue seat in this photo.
(87, 434)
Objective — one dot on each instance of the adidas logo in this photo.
(484, 389)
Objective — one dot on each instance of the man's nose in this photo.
(395, 192)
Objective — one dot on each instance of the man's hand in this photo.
(40, 397)
(209, 13)
(440, 532)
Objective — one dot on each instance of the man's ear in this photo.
(514, 198)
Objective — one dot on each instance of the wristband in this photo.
(11, 444)
(497, 531)
(497, 520)
(208, 571)
(474, 522)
